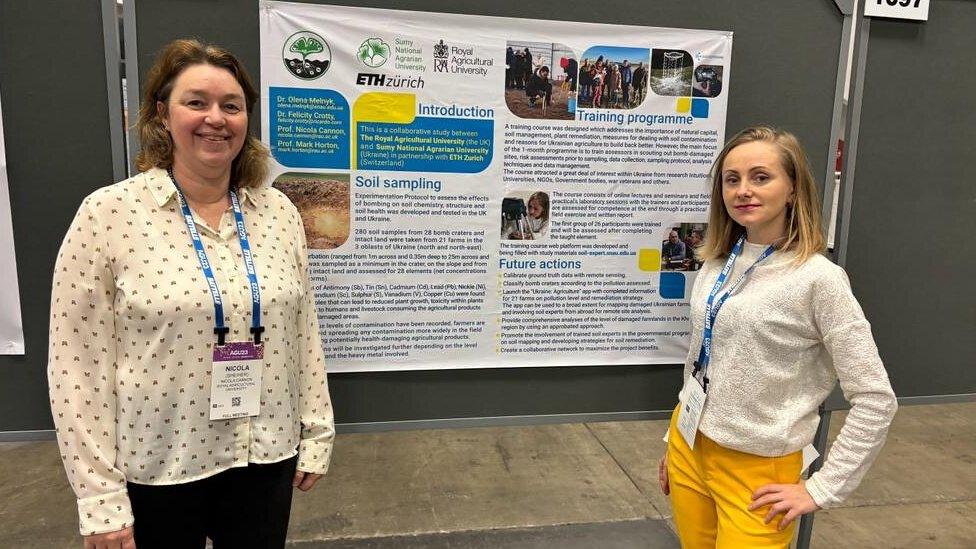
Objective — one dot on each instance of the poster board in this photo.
(11, 327)
(486, 192)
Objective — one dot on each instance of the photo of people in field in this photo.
(540, 80)
(612, 77)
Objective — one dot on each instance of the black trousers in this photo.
(241, 508)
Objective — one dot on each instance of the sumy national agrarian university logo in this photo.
(306, 55)
(374, 52)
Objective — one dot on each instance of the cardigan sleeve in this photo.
(847, 337)
(81, 375)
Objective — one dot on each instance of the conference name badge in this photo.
(689, 417)
(235, 386)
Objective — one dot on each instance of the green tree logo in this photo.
(305, 46)
(306, 55)
(374, 52)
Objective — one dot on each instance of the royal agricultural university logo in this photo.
(441, 56)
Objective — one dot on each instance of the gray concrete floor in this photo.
(568, 486)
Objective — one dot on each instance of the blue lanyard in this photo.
(712, 308)
(219, 328)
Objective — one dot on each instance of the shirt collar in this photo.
(163, 189)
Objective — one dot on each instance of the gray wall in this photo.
(911, 252)
(55, 118)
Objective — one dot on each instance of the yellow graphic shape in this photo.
(683, 105)
(394, 108)
(649, 259)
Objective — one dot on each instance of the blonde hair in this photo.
(804, 233)
(250, 167)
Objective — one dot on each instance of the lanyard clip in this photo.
(704, 380)
(221, 332)
(256, 330)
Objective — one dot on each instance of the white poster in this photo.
(11, 328)
(494, 192)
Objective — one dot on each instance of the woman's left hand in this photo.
(304, 481)
(792, 500)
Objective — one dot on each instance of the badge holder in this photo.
(235, 383)
(690, 414)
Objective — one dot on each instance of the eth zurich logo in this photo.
(373, 52)
(306, 55)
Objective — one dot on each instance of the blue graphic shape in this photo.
(672, 285)
(699, 107)
(446, 145)
(309, 128)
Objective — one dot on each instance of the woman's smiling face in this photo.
(206, 116)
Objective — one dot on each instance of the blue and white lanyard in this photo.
(712, 308)
(219, 328)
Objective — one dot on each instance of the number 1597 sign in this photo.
(898, 9)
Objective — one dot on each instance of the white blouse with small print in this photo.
(131, 345)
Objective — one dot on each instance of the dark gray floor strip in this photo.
(630, 534)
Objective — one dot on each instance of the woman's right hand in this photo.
(120, 539)
(662, 474)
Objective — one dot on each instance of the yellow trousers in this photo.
(712, 487)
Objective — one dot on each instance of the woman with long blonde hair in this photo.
(774, 327)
